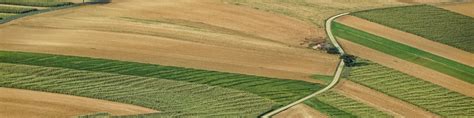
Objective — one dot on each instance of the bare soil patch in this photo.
(17, 103)
(409, 39)
(462, 8)
(206, 35)
(409, 68)
(381, 101)
(300, 111)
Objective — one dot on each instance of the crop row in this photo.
(347, 107)
(405, 52)
(281, 91)
(173, 98)
(15, 10)
(424, 94)
(433, 23)
(36, 3)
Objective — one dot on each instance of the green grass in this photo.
(279, 90)
(333, 103)
(171, 98)
(324, 78)
(36, 3)
(327, 109)
(440, 64)
(4, 15)
(434, 23)
(421, 93)
(15, 10)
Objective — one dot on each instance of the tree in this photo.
(332, 50)
(350, 60)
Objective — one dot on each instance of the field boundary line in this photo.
(337, 75)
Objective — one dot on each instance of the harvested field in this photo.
(16, 103)
(412, 40)
(300, 111)
(412, 69)
(418, 92)
(313, 12)
(236, 39)
(462, 8)
(381, 101)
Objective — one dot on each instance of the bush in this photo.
(350, 60)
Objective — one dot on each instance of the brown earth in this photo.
(17, 103)
(430, 1)
(409, 39)
(300, 111)
(206, 35)
(462, 8)
(409, 68)
(381, 101)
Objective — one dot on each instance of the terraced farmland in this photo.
(280, 91)
(402, 51)
(426, 95)
(336, 105)
(427, 21)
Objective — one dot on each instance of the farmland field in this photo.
(336, 105)
(173, 98)
(434, 98)
(279, 91)
(427, 21)
(440, 64)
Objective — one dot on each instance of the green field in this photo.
(4, 15)
(15, 10)
(421, 93)
(36, 3)
(433, 23)
(280, 91)
(336, 105)
(440, 64)
(172, 98)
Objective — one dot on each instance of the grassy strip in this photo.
(10, 18)
(279, 90)
(327, 109)
(440, 64)
(421, 93)
(36, 3)
(434, 23)
(350, 106)
(4, 15)
(324, 78)
(15, 10)
(172, 98)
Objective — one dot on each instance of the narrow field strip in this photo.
(172, 98)
(279, 90)
(337, 105)
(440, 64)
(426, 95)
(36, 3)
(15, 10)
(427, 21)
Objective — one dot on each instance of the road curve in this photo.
(334, 81)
